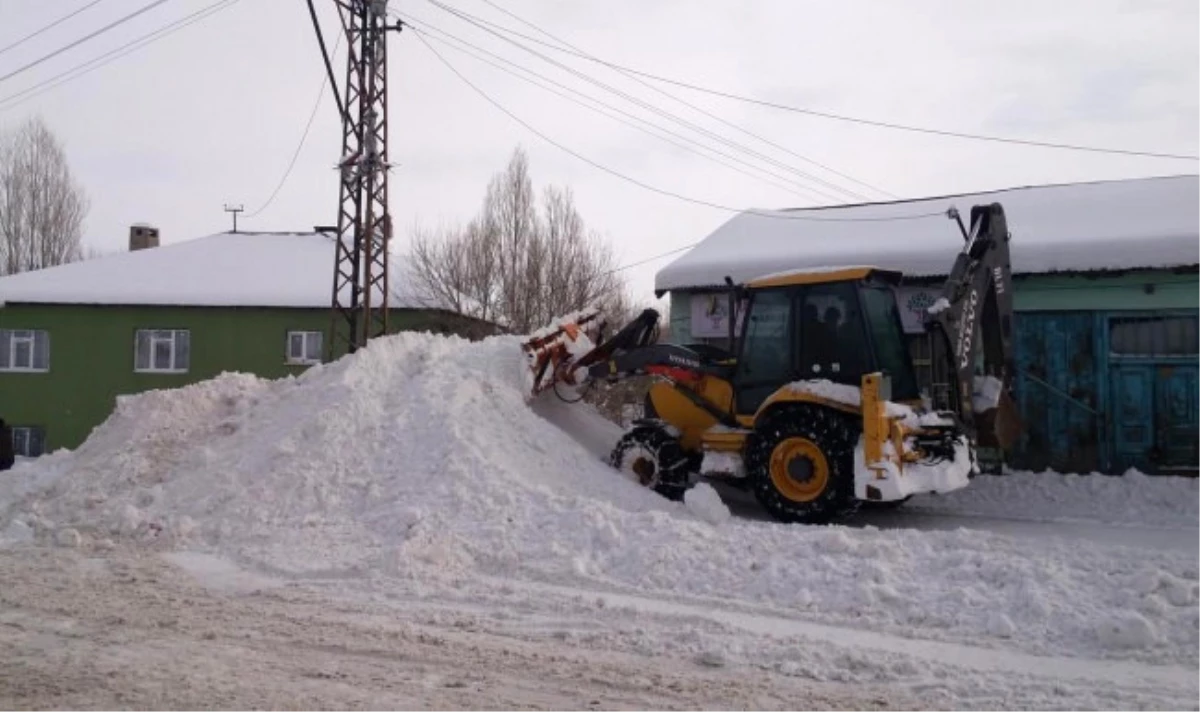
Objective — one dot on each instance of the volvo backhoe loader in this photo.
(815, 407)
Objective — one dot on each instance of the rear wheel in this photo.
(800, 461)
(653, 458)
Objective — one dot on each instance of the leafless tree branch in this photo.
(42, 207)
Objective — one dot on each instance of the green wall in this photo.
(1150, 291)
(92, 355)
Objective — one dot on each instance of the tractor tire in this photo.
(654, 458)
(800, 463)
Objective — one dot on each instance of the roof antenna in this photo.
(235, 209)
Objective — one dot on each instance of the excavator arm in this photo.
(973, 323)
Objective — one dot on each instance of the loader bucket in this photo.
(549, 352)
(1000, 426)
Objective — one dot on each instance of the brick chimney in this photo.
(142, 236)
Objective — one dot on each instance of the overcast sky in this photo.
(212, 113)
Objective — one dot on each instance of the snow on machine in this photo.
(815, 406)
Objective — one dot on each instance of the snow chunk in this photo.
(939, 306)
(821, 388)
(1128, 630)
(703, 501)
(17, 532)
(1000, 625)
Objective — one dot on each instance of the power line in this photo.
(646, 186)
(639, 263)
(659, 111)
(843, 117)
(112, 55)
(303, 137)
(52, 25)
(337, 97)
(604, 109)
(688, 104)
(83, 39)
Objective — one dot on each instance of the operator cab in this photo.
(833, 324)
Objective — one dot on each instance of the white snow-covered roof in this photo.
(1127, 224)
(243, 269)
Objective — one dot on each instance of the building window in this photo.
(28, 441)
(162, 351)
(1171, 336)
(24, 350)
(304, 347)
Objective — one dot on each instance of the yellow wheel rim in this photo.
(799, 469)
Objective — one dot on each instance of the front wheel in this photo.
(800, 461)
(653, 458)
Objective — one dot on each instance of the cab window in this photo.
(766, 360)
(832, 345)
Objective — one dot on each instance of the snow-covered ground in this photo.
(413, 483)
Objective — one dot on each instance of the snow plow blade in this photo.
(551, 352)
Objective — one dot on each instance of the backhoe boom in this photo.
(976, 309)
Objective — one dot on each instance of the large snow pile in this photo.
(419, 457)
(1133, 498)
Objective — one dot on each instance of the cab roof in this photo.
(817, 275)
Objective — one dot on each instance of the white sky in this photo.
(212, 113)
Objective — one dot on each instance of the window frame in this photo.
(740, 380)
(1115, 318)
(853, 301)
(29, 432)
(897, 323)
(153, 339)
(304, 359)
(30, 336)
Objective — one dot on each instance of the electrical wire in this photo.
(606, 108)
(688, 104)
(337, 97)
(112, 55)
(662, 112)
(646, 186)
(648, 260)
(52, 25)
(303, 137)
(845, 117)
(83, 39)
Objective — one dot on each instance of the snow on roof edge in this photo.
(243, 269)
(1152, 222)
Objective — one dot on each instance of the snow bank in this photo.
(418, 459)
(1131, 499)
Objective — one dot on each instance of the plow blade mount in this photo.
(552, 353)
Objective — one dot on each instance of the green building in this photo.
(1105, 291)
(74, 337)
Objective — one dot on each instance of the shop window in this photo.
(1146, 336)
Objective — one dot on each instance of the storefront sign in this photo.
(912, 302)
(710, 316)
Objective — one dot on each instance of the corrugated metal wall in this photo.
(1060, 392)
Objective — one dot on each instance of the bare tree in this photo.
(516, 266)
(41, 205)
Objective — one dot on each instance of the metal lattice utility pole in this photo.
(364, 226)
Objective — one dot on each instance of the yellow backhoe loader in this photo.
(815, 406)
